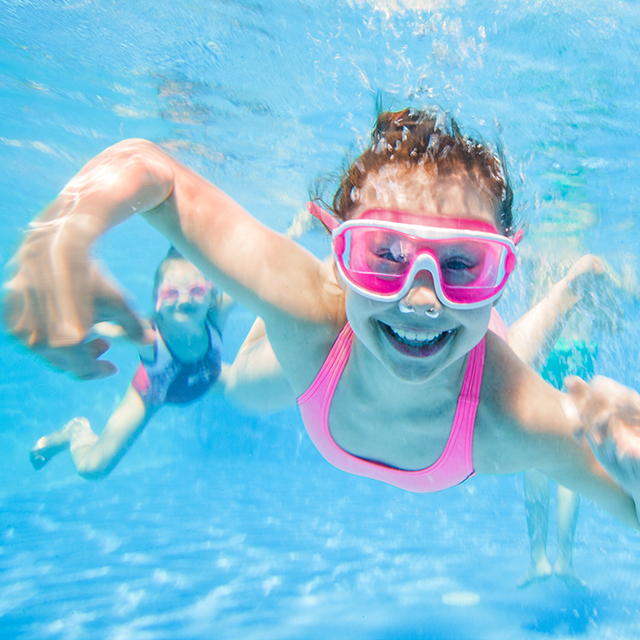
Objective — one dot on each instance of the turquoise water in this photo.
(222, 525)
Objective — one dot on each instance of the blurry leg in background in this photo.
(536, 501)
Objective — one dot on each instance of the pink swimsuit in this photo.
(455, 464)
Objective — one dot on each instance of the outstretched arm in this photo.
(57, 293)
(95, 456)
(604, 413)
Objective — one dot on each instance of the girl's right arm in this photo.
(255, 380)
(58, 293)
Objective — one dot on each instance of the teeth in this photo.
(421, 336)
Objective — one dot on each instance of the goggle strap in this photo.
(324, 216)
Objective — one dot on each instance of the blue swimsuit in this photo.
(168, 380)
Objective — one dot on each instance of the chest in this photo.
(410, 435)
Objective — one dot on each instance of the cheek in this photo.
(482, 316)
(357, 307)
(475, 324)
(362, 314)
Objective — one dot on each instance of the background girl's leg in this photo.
(536, 500)
(568, 510)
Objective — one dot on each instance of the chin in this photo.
(413, 372)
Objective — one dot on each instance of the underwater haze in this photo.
(219, 524)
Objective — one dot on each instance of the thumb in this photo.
(111, 306)
(579, 392)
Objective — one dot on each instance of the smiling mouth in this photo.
(417, 343)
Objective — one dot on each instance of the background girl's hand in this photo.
(57, 295)
(610, 421)
(597, 289)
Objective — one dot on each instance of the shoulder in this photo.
(301, 346)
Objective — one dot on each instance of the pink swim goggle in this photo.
(380, 253)
(196, 289)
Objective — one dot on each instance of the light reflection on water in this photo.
(258, 537)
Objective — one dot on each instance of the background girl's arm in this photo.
(533, 336)
(220, 313)
(95, 456)
(57, 293)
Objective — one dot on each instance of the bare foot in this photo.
(569, 576)
(49, 446)
(535, 573)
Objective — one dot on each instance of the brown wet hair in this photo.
(172, 255)
(429, 140)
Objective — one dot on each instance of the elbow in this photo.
(147, 170)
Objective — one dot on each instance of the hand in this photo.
(57, 295)
(598, 290)
(610, 421)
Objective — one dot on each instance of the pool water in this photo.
(219, 524)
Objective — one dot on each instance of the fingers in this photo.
(111, 306)
(609, 418)
(82, 360)
(595, 404)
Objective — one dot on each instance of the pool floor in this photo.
(236, 549)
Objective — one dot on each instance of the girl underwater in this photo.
(181, 362)
(396, 373)
(256, 383)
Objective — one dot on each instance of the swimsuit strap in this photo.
(454, 465)
(329, 375)
(461, 438)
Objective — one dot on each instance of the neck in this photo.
(185, 340)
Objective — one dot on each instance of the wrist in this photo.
(76, 232)
(564, 296)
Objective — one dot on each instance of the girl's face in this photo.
(413, 346)
(183, 295)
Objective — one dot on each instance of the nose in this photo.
(422, 296)
(184, 295)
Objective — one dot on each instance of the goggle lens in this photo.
(197, 291)
(380, 260)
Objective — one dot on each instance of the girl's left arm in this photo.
(608, 416)
(587, 440)
(225, 304)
